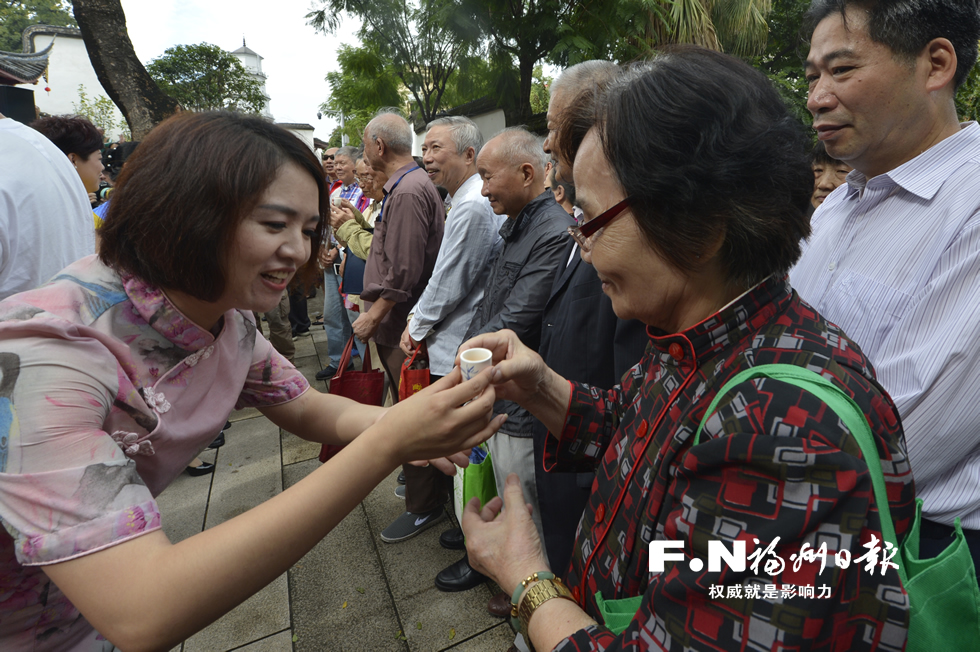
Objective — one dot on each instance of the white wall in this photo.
(304, 134)
(68, 66)
(489, 123)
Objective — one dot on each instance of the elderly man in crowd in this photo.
(335, 320)
(882, 78)
(328, 165)
(446, 307)
(535, 249)
(406, 242)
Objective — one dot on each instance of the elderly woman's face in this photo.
(639, 282)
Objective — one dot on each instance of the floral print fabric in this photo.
(107, 392)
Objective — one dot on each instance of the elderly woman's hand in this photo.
(501, 539)
(519, 371)
(435, 422)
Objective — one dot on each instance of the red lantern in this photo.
(47, 89)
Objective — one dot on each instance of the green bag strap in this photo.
(845, 408)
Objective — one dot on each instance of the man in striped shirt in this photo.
(895, 254)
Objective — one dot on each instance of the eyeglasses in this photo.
(583, 233)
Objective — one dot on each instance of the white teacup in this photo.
(473, 361)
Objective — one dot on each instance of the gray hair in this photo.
(351, 152)
(520, 146)
(463, 131)
(393, 130)
(575, 78)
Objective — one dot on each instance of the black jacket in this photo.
(582, 340)
(534, 251)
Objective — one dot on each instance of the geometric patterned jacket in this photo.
(774, 465)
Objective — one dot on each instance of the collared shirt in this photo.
(469, 245)
(895, 261)
(351, 193)
(108, 392)
(404, 248)
(772, 462)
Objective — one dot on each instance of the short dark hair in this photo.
(184, 191)
(907, 26)
(72, 134)
(565, 184)
(819, 155)
(704, 145)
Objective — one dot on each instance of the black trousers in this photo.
(935, 537)
(299, 317)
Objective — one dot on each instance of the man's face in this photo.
(343, 167)
(556, 105)
(364, 179)
(826, 177)
(328, 161)
(503, 182)
(371, 152)
(444, 165)
(868, 107)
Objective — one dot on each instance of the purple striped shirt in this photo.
(895, 261)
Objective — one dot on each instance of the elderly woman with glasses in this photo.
(694, 182)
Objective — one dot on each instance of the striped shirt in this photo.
(351, 193)
(895, 261)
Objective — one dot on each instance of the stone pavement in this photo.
(351, 592)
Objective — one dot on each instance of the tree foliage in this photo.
(100, 111)
(16, 16)
(968, 97)
(204, 77)
(782, 60)
(422, 39)
(365, 82)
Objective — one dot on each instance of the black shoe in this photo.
(326, 373)
(401, 478)
(459, 577)
(227, 425)
(203, 469)
(219, 441)
(452, 539)
(329, 372)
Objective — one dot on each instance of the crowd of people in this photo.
(644, 276)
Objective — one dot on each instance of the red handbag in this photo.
(414, 373)
(366, 386)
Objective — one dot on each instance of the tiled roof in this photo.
(23, 67)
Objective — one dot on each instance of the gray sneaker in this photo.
(408, 525)
(400, 491)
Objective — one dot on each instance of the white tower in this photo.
(253, 64)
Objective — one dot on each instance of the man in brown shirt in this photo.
(406, 241)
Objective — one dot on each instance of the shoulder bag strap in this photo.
(845, 408)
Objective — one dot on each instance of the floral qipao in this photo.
(773, 461)
(107, 392)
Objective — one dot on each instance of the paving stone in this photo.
(281, 642)
(497, 639)
(185, 502)
(411, 567)
(296, 449)
(264, 614)
(343, 569)
(249, 472)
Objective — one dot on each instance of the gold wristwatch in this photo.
(536, 596)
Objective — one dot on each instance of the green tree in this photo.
(365, 82)
(204, 77)
(423, 40)
(100, 110)
(968, 97)
(523, 32)
(540, 91)
(15, 17)
(782, 60)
